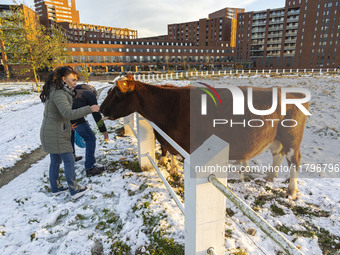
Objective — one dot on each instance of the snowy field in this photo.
(130, 212)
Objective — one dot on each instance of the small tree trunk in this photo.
(36, 80)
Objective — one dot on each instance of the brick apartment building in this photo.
(149, 54)
(303, 34)
(201, 44)
(57, 11)
(217, 30)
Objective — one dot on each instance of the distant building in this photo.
(86, 33)
(303, 34)
(148, 54)
(57, 11)
(64, 14)
(217, 30)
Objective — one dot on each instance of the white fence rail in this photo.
(205, 204)
(276, 236)
(181, 75)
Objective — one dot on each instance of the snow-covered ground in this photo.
(130, 212)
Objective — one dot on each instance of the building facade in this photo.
(147, 54)
(303, 34)
(217, 30)
(86, 33)
(57, 11)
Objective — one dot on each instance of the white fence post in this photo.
(257, 71)
(129, 119)
(146, 142)
(204, 206)
(177, 76)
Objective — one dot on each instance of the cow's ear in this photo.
(126, 85)
(130, 77)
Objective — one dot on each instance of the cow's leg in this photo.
(174, 165)
(245, 173)
(278, 156)
(163, 159)
(293, 158)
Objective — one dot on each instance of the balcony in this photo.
(274, 48)
(291, 27)
(280, 28)
(291, 33)
(253, 37)
(256, 24)
(290, 40)
(290, 47)
(293, 19)
(259, 49)
(274, 42)
(275, 35)
(281, 14)
(278, 21)
(256, 30)
(296, 12)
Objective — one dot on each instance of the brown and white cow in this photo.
(169, 109)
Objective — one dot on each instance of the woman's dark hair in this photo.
(54, 79)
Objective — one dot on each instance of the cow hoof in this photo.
(291, 194)
(163, 161)
(269, 179)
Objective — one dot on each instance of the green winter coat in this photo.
(55, 132)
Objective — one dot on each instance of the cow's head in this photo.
(120, 100)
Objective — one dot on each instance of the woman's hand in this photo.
(95, 108)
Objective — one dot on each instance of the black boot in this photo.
(94, 171)
(77, 158)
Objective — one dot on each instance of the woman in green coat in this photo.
(55, 132)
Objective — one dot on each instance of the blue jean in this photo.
(68, 159)
(86, 132)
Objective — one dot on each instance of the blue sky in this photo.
(151, 17)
